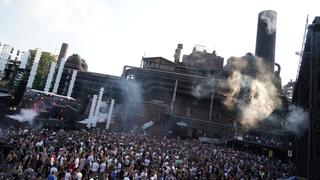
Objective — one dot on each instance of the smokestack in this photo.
(266, 37)
(50, 76)
(60, 64)
(58, 78)
(177, 53)
(63, 52)
(34, 68)
(73, 80)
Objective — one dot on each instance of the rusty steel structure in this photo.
(306, 94)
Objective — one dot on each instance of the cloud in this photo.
(2, 40)
(83, 24)
(5, 2)
(72, 16)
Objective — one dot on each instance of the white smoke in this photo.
(204, 89)
(25, 115)
(132, 95)
(270, 18)
(248, 89)
(297, 120)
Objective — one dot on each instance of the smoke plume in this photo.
(25, 115)
(204, 89)
(297, 120)
(252, 90)
(248, 89)
(270, 18)
(132, 94)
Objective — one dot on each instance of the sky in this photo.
(109, 34)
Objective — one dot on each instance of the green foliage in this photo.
(43, 68)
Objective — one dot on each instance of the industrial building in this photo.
(158, 93)
(163, 97)
(176, 95)
(306, 95)
(288, 90)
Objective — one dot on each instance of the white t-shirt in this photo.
(90, 159)
(62, 160)
(67, 176)
(82, 163)
(119, 167)
(144, 175)
(146, 162)
(78, 176)
(95, 167)
(76, 162)
(102, 167)
(109, 161)
(154, 177)
(53, 169)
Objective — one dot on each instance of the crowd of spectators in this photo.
(269, 141)
(97, 154)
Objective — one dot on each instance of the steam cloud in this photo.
(248, 90)
(297, 120)
(204, 89)
(26, 115)
(132, 93)
(270, 18)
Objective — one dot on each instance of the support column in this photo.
(173, 97)
(211, 105)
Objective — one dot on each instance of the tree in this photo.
(43, 68)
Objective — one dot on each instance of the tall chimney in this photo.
(177, 53)
(266, 37)
(59, 66)
(63, 52)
